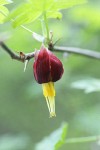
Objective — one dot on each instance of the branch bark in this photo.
(78, 51)
(12, 54)
(21, 57)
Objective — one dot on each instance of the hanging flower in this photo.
(47, 70)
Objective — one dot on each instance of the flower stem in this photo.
(82, 139)
(26, 29)
(46, 25)
(43, 28)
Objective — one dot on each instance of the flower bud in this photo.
(47, 67)
(47, 70)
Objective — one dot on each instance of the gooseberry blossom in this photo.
(47, 70)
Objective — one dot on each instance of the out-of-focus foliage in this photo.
(33, 9)
(55, 139)
(10, 142)
(88, 85)
(86, 14)
(23, 109)
(3, 10)
(62, 138)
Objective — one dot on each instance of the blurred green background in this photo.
(24, 117)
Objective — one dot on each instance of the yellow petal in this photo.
(49, 93)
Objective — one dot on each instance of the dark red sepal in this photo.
(47, 67)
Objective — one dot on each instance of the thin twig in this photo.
(21, 57)
(73, 50)
(12, 54)
(79, 51)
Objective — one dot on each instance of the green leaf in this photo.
(33, 9)
(55, 140)
(3, 10)
(55, 5)
(1, 18)
(54, 14)
(43, 5)
(64, 4)
(26, 18)
(62, 139)
(64, 132)
(24, 14)
(58, 145)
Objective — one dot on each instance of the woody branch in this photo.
(72, 50)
